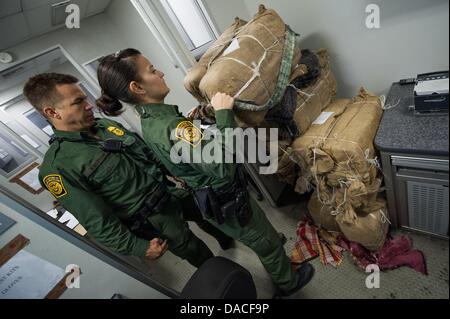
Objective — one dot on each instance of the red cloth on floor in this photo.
(311, 244)
(395, 253)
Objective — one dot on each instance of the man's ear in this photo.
(51, 113)
(136, 88)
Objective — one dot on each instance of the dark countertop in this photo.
(401, 131)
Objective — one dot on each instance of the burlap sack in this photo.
(256, 118)
(287, 171)
(195, 74)
(351, 138)
(357, 194)
(325, 193)
(312, 100)
(304, 146)
(321, 214)
(317, 133)
(369, 229)
(260, 39)
(344, 172)
(303, 184)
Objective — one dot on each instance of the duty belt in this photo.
(228, 201)
(153, 204)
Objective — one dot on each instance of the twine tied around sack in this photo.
(384, 218)
(316, 88)
(255, 67)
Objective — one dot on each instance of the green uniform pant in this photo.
(170, 225)
(192, 213)
(264, 240)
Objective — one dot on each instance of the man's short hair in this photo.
(40, 90)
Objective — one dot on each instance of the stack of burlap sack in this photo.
(336, 158)
(276, 84)
(311, 101)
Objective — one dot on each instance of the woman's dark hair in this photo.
(114, 74)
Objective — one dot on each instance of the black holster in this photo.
(153, 204)
(228, 201)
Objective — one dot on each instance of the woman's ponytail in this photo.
(109, 105)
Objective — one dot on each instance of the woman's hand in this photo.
(222, 101)
(156, 249)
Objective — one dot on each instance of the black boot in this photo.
(226, 243)
(304, 274)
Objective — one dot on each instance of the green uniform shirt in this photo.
(115, 188)
(160, 122)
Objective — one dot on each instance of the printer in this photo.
(431, 93)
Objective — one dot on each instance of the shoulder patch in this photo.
(189, 133)
(55, 185)
(116, 131)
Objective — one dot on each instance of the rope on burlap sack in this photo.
(337, 210)
(343, 183)
(301, 92)
(313, 93)
(384, 218)
(255, 68)
(309, 186)
(225, 42)
(365, 153)
(289, 154)
(314, 173)
(283, 78)
(382, 98)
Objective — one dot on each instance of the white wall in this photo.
(413, 38)
(98, 280)
(223, 12)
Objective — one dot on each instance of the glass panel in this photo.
(92, 67)
(192, 21)
(24, 135)
(12, 155)
(37, 119)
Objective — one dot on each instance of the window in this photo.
(193, 24)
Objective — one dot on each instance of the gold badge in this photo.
(55, 185)
(188, 132)
(116, 131)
